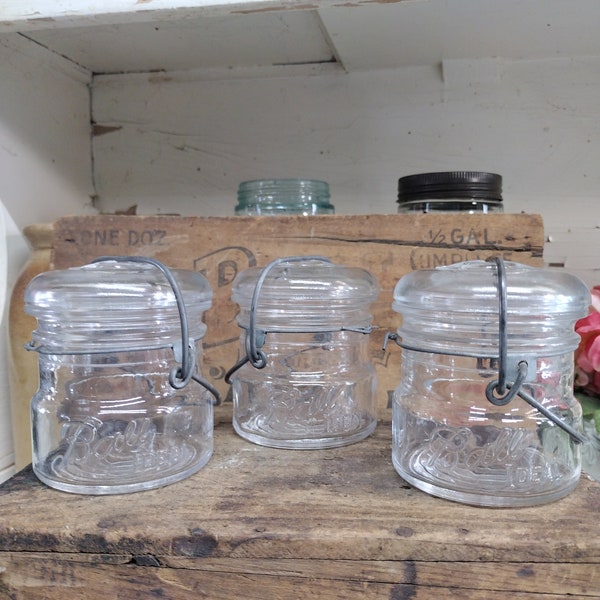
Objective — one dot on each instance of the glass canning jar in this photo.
(306, 379)
(113, 412)
(485, 413)
(450, 191)
(284, 197)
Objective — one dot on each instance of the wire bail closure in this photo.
(179, 376)
(255, 337)
(500, 392)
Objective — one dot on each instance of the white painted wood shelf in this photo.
(166, 106)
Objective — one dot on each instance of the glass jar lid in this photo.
(306, 295)
(455, 309)
(114, 305)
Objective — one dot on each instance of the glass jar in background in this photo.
(114, 412)
(306, 379)
(23, 366)
(284, 197)
(485, 413)
(451, 191)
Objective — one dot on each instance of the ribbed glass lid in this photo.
(114, 305)
(308, 295)
(455, 309)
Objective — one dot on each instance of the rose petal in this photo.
(596, 297)
(593, 353)
(581, 378)
(588, 324)
(588, 358)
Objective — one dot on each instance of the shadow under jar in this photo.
(114, 412)
(313, 385)
(449, 438)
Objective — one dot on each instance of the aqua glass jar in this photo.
(116, 410)
(484, 413)
(284, 197)
(450, 191)
(306, 379)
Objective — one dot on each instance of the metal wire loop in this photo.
(507, 391)
(255, 337)
(502, 335)
(391, 336)
(510, 390)
(180, 376)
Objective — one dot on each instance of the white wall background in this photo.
(45, 168)
(13, 252)
(45, 161)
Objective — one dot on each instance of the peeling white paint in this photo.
(32, 15)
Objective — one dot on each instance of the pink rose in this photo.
(596, 298)
(587, 355)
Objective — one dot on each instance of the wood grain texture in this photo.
(48, 577)
(258, 522)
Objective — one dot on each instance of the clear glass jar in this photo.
(113, 412)
(451, 191)
(317, 386)
(591, 450)
(284, 197)
(448, 438)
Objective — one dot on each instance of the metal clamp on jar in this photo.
(118, 342)
(485, 413)
(305, 379)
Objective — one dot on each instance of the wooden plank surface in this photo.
(293, 524)
(254, 502)
(61, 577)
(388, 245)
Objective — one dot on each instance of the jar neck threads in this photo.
(283, 196)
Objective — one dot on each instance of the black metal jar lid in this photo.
(450, 184)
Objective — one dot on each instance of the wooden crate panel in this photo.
(220, 247)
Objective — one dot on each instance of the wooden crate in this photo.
(388, 245)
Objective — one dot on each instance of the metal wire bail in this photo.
(500, 392)
(255, 338)
(179, 376)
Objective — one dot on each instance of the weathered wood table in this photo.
(277, 524)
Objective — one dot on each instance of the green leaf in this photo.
(589, 404)
(596, 417)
